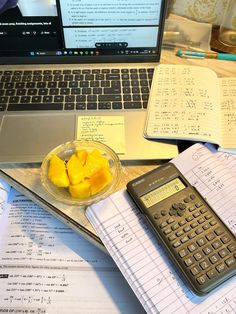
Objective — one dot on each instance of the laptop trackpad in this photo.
(31, 137)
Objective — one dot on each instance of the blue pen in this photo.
(202, 55)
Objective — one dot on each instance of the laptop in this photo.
(78, 70)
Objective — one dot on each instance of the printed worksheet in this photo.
(45, 267)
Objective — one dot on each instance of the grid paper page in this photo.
(142, 261)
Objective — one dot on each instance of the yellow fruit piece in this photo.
(75, 169)
(81, 190)
(57, 172)
(94, 163)
(99, 180)
(82, 155)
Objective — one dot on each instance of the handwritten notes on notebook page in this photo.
(45, 267)
(142, 261)
(228, 108)
(185, 103)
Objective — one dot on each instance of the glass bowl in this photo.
(64, 152)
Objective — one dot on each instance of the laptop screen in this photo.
(77, 31)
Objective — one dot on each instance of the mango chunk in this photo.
(99, 180)
(75, 169)
(80, 190)
(57, 172)
(82, 155)
(94, 163)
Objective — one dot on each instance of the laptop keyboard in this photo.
(85, 89)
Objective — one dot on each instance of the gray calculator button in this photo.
(222, 267)
(216, 244)
(189, 261)
(212, 273)
(223, 253)
(195, 270)
(230, 261)
(214, 258)
(183, 253)
(205, 264)
(232, 247)
(225, 238)
(202, 279)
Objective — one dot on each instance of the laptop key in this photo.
(34, 106)
(3, 107)
(109, 97)
(132, 105)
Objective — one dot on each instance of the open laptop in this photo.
(78, 70)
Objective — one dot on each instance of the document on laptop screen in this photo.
(86, 25)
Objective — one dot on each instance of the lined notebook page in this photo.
(143, 262)
(228, 107)
(183, 103)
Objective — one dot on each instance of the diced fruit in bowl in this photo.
(80, 172)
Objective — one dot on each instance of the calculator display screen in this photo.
(162, 192)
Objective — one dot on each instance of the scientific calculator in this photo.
(196, 239)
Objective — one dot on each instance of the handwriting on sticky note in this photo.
(109, 130)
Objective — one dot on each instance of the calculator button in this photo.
(212, 273)
(192, 235)
(223, 253)
(175, 206)
(216, 244)
(170, 220)
(172, 212)
(172, 237)
(199, 231)
(213, 222)
(184, 239)
(163, 224)
(194, 224)
(192, 208)
(175, 227)
(208, 216)
(201, 220)
(206, 226)
(157, 216)
(198, 256)
(225, 238)
(230, 261)
(214, 258)
(196, 214)
(187, 229)
(186, 199)
(195, 270)
(203, 210)
(176, 244)
(207, 250)
(182, 206)
(189, 218)
(179, 233)
(205, 264)
(202, 279)
(201, 242)
(210, 236)
(182, 222)
(219, 231)
(180, 212)
(189, 261)
(183, 253)
(222, 267)
(192, 247)
(192, 196)
(167, 231)
(198, 204)
(163, 212)
(232, 247)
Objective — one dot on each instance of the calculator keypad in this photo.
(204, 248)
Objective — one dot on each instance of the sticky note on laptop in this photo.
(109, 130)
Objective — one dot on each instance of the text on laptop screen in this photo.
(80, 28)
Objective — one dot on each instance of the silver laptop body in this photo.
(48, 52)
